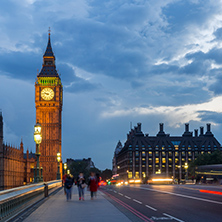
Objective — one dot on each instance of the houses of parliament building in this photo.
(144, 155)
(16, 167)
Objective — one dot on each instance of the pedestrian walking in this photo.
(81, 184)
(93, 184)
(63, 182)
(68, 186)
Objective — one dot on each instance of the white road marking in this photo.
(151, 207)
(137, 201)
(173, 217)
(115, 191)
(181, 195)
(127, 197)
(120, 194)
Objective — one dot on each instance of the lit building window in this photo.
(137, 175)
(157, 160)
(130, 175)
(163, 160)
(143, 153)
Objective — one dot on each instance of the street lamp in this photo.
(38, 140)
(186, 167)
(65, 167)
(58, 159)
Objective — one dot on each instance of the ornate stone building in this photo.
(144, 155)
(15, 166)
(48, 103)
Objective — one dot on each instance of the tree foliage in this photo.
(106, 174)
(82, 167)
(205, 159)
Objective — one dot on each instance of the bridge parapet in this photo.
(16, 200)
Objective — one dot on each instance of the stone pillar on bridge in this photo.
(180, 168)
(133, 173)
(147, 164)
(167, 164)
(140, 165)
(173, 163)
(154, 162)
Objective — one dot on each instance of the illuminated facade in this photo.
(144, 155)
(15, 166)
(48, 103)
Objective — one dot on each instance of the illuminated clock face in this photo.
(47, 93)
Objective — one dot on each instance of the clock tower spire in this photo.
(48, 103)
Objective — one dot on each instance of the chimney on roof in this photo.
(201, 131)
(161, 127)
(196, 132)
(139, 127)
(186, 127)
(208, 127)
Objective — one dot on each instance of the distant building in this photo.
(144, 155)
(116, 152)
(16, 168)
(89, 162)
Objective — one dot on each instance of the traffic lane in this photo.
(180, 207)
(183, 190)
(138, 205)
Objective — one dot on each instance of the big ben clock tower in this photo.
(48, 103)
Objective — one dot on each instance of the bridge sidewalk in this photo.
(56, 208)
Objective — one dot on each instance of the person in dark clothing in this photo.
(81, 183)
(68, 186)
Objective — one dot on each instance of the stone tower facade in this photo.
(48, 103)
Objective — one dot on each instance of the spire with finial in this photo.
(21, 145)
(48, 67)
(49, 52)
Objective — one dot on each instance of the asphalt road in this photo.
(169, 202)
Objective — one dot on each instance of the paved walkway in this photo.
(56, 208)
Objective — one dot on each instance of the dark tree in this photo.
(106, 174)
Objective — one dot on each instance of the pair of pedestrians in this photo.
(92, 185)
(68, 184)
(81, 184)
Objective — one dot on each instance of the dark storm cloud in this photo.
(208, 116)
(81, 85)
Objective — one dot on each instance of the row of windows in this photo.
(163, 153)
(207, 147)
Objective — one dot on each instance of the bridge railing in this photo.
(13, 201)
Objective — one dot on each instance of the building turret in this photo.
(187, 132)
(161, 132)
(208, 133)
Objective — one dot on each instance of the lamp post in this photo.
(186, 167)
(38, 140)
(58, 172)
(65, 167)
